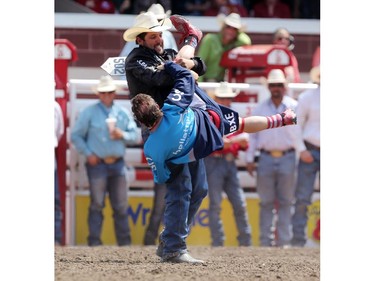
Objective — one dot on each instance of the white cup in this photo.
(111, 123)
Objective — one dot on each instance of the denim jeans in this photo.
(222, 177)
(186, 189)
(112, 178)
(58, 213)
(158, 207)
(275, 187)
(304, 190)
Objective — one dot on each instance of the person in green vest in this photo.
(213, 45)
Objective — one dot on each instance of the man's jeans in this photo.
(222, 177)
(157, 213)
(276, 184)
(305, 188)
(186, 189)
(112, 178)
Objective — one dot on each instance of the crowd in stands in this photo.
(305, 9)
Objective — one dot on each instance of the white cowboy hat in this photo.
(159, 11)
(106, 84)
(224, 91)
(233, 20)
(146, 22)
(276, 76)
(315, 74)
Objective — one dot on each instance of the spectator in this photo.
(140, 6)
(282, 37)
(271, 9)
(213, 45)
(59, 132)
(308, 111)
(196, 7)
(104, 148)
(146, 78)
(222, 177)
(275, 170)
(225, 7)
(99, 6)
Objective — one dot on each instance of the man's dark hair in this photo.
(141, 36)
(145, 109)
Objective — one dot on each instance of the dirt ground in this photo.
(112, 263)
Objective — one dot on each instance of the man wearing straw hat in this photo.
(101, 133)
(143, 76)
(276, 166)
(168, 37)
(141, 64)
(232, 34)
(222, 177)
(152, 229)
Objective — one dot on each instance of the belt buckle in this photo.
(229, 157)
(276, 153)
(110, 160)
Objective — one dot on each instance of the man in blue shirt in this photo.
(104, 149)
(189, 126)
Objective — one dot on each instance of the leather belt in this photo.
(277, 153)
(227, 156)
(311, 146)
(111, 159)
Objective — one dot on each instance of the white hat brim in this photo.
(132, 33)
(105, 89)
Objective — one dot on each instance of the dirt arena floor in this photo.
(112, 263)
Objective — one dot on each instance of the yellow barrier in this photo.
(140, 209)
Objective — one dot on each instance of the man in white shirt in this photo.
(308, 112)
(276, 165)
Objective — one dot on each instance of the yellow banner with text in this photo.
(140, 209)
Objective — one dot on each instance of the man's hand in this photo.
(93, 160)
(251, 167)
(194, 74)
(187, 63)
(306, 156)
(116, 134)
(289, 117)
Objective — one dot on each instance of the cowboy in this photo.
(168, 37)
(104, 149)
(143, 76)
(141, 64)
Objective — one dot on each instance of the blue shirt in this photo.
(173, 141)
(90, 133)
